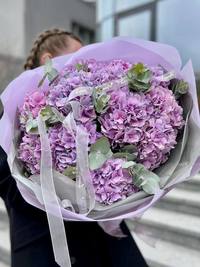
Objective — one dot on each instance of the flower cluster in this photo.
(142, 111)
(149, 121)
(112, 182)
(32, 105)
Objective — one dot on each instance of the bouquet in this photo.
(103, 134)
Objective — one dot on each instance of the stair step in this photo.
(3, 213)
(2, 264)
(178, 228)
(4, 236)
(181, 200)
(192, 184)
(166, 254)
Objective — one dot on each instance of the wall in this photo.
(12, 27)
(43, 14)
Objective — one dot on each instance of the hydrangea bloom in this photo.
(113, 183)
(62, 148)
(32, 105)
(149, 121)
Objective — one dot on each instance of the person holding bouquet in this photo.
(31, 244)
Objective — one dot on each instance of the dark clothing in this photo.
(31, 244)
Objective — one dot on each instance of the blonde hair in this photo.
(52, 41)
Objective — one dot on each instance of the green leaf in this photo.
(138, 68)
(139, 78)
(51, 115)
(97, 159)
(49, 72)
(150, 186)
(129, 149)
(31, 125)
(101, 145)
(100, 152)
(42, 80)
(128, 164)
(52, 74)
(70, 172)
(46, 113)
(80, 67)
(100, 100)
(124, 155)
(179, 87)
(145, 179)
(48, 65)
(101, 103)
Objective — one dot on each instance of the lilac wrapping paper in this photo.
(174, 172)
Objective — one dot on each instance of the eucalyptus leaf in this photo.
(179, 87)
(42, 80)
(128, 164)
(150, 186)
(31, 125)
(129, 149)
(124, 155)
(48, 65)
(80, 67)
(50, 115)
(49, 72)
(101, 145)
(97, 159)
(145, 179)
(100, 152)
(101, 103)
(70, 172)
(139, 78)
(52, 74)
(100, 100)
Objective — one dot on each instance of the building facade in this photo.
(22, 20)
(174, 22)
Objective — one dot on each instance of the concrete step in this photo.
(181, 200)
(192, 184)
(3, 213)
(4, 236)
(177, 228)
(166, 254)
(2, 264)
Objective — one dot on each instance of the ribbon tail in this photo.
(54, 215)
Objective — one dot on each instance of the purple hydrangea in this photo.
(112, 183)
(62, 148)
(30, 152)
(149, 121)
(32, 105)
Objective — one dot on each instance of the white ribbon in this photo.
(54, 215)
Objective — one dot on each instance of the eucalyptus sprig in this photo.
(128, 152)
(49, 115)
(143, 178)
(179, 87)
(100, 100)
(82, 67)
(49, 72)
(70, 172)
(100, 152)
(139, 77)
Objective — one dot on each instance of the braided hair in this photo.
(52, 41)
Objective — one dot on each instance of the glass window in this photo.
(121, 5)
(107, 29)
(86, 35)
(182, 30)
(105, 8)
(137, 25)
